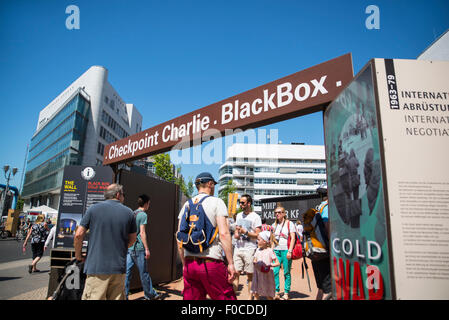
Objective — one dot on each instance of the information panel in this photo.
(414, 112)
(360, 259)
(82, 186)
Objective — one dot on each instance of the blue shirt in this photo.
(109, 224)
(324, 212)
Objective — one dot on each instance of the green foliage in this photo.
(229, 188)
(190, 188)
(164, 168)
(19, 204)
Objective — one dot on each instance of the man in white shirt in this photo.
(248, 226)
(206, 272)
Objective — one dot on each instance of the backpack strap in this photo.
(186, 217)
(320, 230)
(199, 202)
(322, 207)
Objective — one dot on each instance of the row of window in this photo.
(72, 139)
(261, 192)
(226, 170)
(56, 148)
(76, 104)
(275, 181)
(111, 104)
(111, 123)
(49, 175)
(106, 135)
(229, 170)
(64, 127)
(275, 160)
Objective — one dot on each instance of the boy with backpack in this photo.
(203, 235)
(316, 245)
(139, 252)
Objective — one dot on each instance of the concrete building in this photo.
(270, 170)
(438, 50)
(74, 129)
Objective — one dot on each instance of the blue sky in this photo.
(172, 57)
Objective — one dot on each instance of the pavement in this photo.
(169, 291)
(17, 284)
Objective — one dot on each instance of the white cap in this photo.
(265, 235)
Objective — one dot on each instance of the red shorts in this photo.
(206, 277)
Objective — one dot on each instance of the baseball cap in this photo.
(204, 177)
(265, 235)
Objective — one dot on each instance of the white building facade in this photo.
(438, 50)
(74, 130)
(271, 170)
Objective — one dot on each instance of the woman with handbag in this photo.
(283, 229)
(38, 234)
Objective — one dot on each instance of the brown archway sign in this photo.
(301, 93)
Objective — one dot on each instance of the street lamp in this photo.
(8, 172)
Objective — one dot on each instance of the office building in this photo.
(74, 130)
(271, 170)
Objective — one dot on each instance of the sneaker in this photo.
(156, 296)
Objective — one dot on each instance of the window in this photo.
(111, 123)
(100, 148)
(106, 135)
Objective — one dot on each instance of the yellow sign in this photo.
(232, 203)
(12, 220)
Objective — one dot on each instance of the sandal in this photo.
(277, 296)
(285, 296)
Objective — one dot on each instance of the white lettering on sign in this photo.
(133, 147)
(283, 96)
(374, 250)
(266, 104)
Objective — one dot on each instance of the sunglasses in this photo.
(278, 212)
(242, 202)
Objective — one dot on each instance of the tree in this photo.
(180, 182)
(20, 203)
(229, 188)
(190, 188)
(163, 167)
